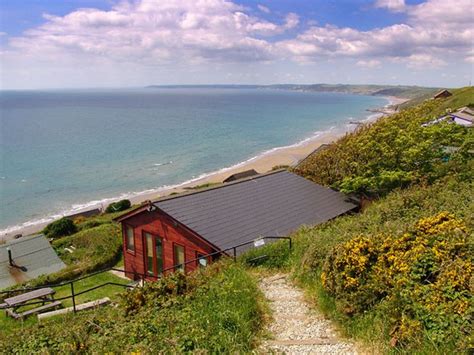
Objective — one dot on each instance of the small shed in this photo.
(442, 94)
(30, 257)
(241, 175)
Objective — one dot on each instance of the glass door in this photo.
(153, 254)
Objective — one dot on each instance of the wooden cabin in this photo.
(180, 231)
(442, 94)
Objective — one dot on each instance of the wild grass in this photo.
(11, 327)
(218, 310)
(393, 214)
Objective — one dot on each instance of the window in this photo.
(130, 239)
(202, 260)
(154, 254)
(149, 253)
(178, 257)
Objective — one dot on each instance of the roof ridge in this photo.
(227, 184)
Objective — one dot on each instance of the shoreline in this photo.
(263, 162)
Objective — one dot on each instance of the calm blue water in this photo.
(61, 149)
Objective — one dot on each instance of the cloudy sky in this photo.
(120, 43)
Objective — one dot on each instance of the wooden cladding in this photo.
(159, 243)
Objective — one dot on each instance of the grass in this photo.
(218, 310)
(391, 215)
(10, 326)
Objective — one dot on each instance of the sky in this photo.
(134, 43)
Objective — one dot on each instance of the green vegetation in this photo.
(394, 152)
(92, 249)
(60, 228)
(408, 92)
(278, 167)
(118, 206)
(10, 326)
(389, 218)
(420, 279)
(218, 310)
(396, 276)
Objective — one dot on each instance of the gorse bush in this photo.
(118, 206)
(60, 228)
(371, 317)
(420, 278)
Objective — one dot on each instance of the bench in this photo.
(44, 294)
(29, 312)
(81, 307)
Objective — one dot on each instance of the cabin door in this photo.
(153, 254)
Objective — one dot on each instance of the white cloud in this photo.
(371, 63)
(434, 31)
(263, 9)
(392, 5)
(156, 31)
(181, 34)
(420, 61)
(292, 20)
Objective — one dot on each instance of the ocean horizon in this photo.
(64, 151)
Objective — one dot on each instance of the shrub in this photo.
(60, 228)
(217, 310)
(391, 153)
(420, 279)
(121, 205)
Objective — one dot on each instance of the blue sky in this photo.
(107, 43)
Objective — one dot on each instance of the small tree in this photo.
(60, 228)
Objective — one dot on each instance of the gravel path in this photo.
(296, 328)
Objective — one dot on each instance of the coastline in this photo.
(265, 161)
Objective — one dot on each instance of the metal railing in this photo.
(139, 276)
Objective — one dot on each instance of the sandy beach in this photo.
(264, 162)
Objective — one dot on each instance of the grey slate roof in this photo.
(273, 204)
(463, 116)
(35, 253)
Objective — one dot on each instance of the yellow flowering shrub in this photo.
(420, 278)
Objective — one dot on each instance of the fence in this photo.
(139, 276)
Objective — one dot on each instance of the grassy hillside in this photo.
(430, 308)
(461, 97)
(409, 92)
(396, 276)
(219, 310)
(396, 151)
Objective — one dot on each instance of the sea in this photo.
(64, 151)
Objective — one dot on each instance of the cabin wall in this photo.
(159, 224)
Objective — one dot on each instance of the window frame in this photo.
(127, 249)
(154, 238)
(174, 258)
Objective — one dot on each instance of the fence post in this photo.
(290, 243)
(73, 297)
(235, 254)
